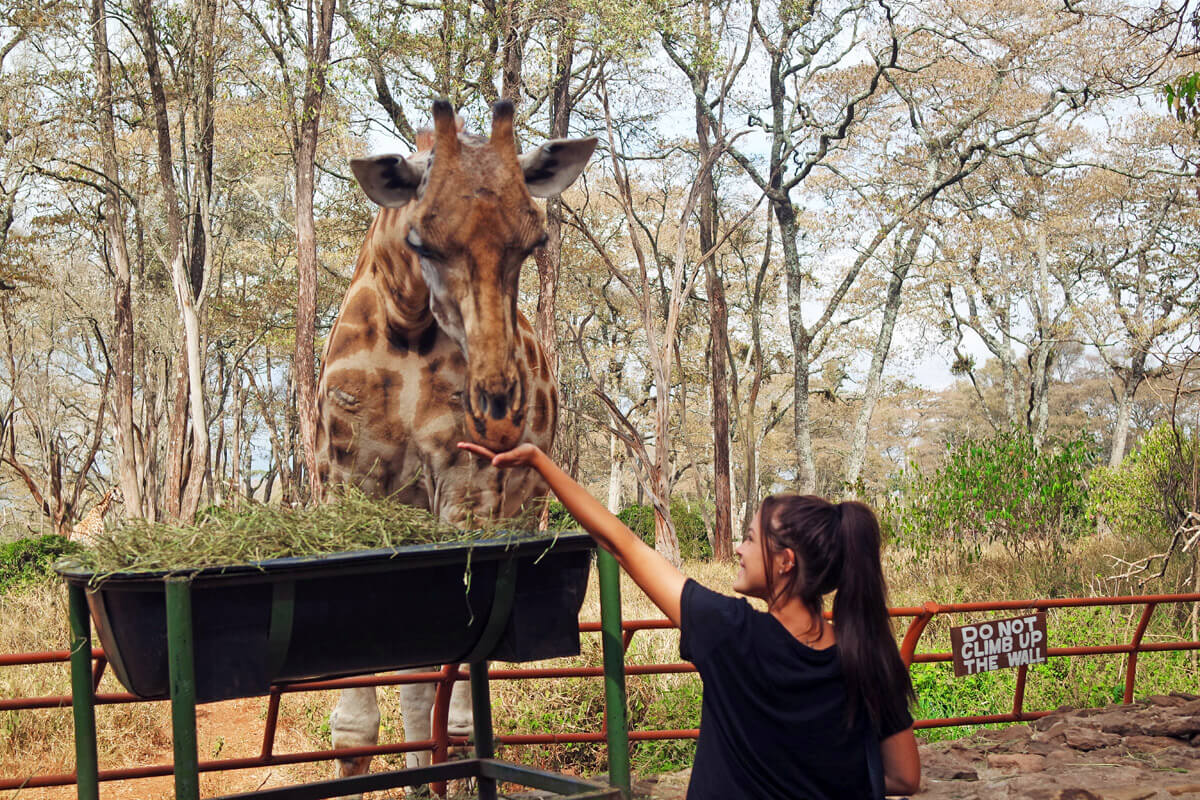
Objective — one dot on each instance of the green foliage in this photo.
(689, 527)
(28, 560)
(1000, 490)
(1147, 496)
(560, 518)
(1183, 97)
(671, 707)
(1127, 496)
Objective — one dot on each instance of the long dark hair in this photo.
(837, 548)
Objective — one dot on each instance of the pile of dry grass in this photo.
(251, 532)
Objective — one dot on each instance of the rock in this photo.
(1196, 740)
(1014, 733)
(1176, 726)
(1088, 738)
(1046, 748)
(1136, 793)
(1047, 722)
(1166, 700)
(1054, 733)
(1017, 762)
(1148, 744)
(948, 772)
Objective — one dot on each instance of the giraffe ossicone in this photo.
(429, 349)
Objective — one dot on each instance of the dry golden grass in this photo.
(33, 618)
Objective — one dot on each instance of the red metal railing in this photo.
(445, 678)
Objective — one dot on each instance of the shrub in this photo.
(689, 527)
(560, 518)
(1000, 490)
(28, 560)
(1146, 498)
(1130, 497)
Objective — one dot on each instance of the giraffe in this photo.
(429, 349)
(85, 530)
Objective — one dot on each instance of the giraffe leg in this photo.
(416, 707)
(354, 722)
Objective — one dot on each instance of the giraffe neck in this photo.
(394, 271)
(106, 501)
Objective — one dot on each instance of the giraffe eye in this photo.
(413, 240)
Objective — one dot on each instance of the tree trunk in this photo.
(549, 256)
(306, 241)
(185, 293)
(806, 469)
(719, 332)
(1132, 379)
(177, 442)
(883, 345)
(614, 474)
(118, 254)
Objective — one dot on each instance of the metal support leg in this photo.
(614, 671)
(83, 701)
(180, 654)
(481, 706)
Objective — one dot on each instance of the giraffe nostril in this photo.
(499, 405)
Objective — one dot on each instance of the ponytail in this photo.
(877, 681)
(837, 548)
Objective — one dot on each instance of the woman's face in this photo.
(751, 578)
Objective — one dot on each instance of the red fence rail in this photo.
(920, 617)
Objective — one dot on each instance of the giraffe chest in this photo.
(385, 401)
(394, 410)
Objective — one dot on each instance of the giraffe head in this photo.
(472, 223)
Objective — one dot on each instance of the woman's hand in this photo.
(521, 455)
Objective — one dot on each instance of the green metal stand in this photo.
(614, 671)
(488, 771)
(83, 700)
(481, 708)
(182, 672)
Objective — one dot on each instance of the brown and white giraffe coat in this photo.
(429, 349)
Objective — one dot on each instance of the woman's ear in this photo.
(785, 560)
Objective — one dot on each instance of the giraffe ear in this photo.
(390, 181)
(555, 165)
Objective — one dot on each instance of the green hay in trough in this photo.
(251, 532)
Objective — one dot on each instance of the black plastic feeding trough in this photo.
(295, 619)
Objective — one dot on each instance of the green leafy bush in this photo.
(689, 527)
(1130, 497)
(560, 518)
(999, 490)
(28, 560)
(1147, 497)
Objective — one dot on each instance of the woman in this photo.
(794, 707)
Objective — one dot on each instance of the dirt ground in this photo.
(231, 729)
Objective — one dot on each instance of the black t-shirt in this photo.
(772, 721)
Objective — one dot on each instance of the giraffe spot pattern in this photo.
(541, 410)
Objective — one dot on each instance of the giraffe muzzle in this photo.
(494, 405)
(497, 417)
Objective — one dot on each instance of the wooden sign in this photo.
(998, 644)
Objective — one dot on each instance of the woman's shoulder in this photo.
(709, 618)
(703, 600)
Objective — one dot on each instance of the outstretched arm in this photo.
(901, 763)
(659, 579)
